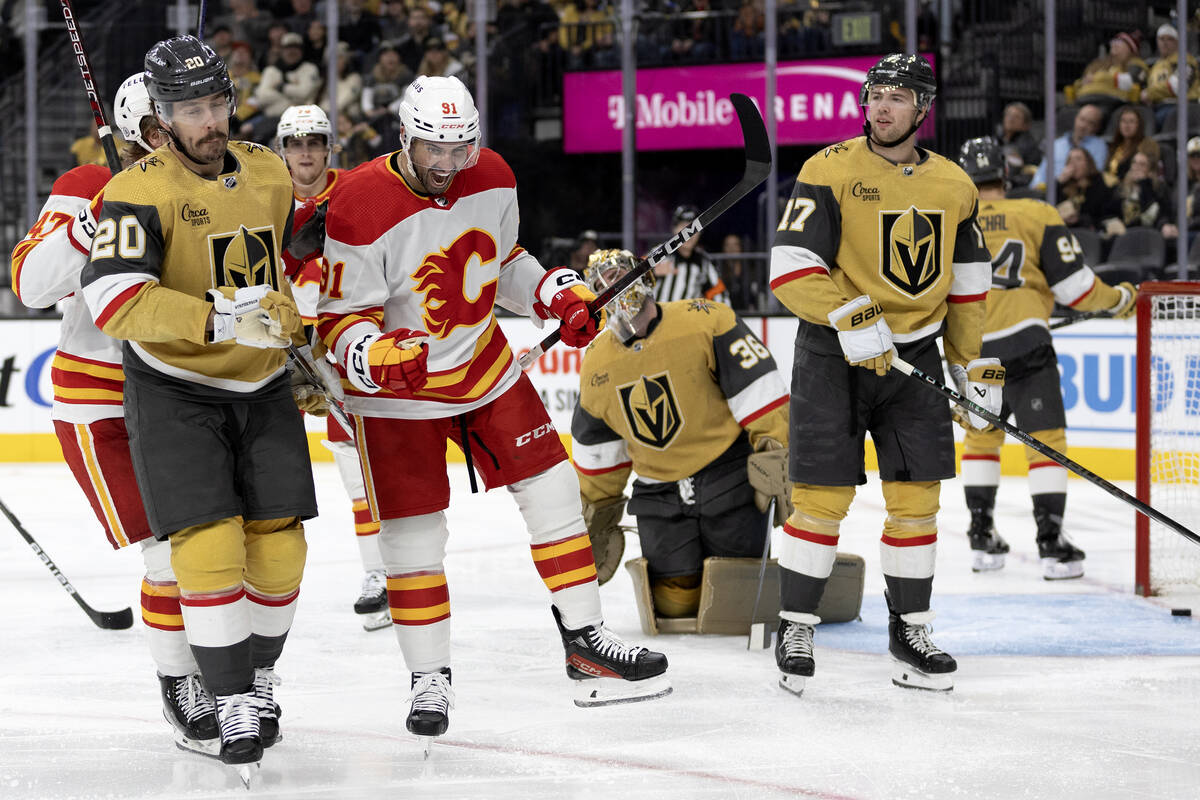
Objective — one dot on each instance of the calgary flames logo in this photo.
(442, 278)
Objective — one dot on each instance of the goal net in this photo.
(1168, 434)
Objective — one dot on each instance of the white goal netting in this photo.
(1174, 438)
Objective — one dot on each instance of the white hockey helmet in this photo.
(130, 106)
(606, 267)
(306, 120)
(442, 111)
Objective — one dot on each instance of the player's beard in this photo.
(209, 149)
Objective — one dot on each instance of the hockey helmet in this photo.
(132, 105)
(903, 71)
(983, 160)
(307, 120)
(185, 68)
(606, 267)
(684, 213)
(442, 111)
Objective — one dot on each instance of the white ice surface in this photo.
(1063, 689)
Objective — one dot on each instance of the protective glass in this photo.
(443, 156)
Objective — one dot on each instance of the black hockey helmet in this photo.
(185, 68)
(906, 71)
(983, 160)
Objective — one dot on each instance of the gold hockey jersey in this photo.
(904, 234)
(668, 404)
(1035, 262)
(164, 238)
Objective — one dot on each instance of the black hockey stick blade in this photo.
(109, 620)
(758, 166)
(1081, 317)
(1049, 452)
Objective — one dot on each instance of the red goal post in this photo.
(1168, 434)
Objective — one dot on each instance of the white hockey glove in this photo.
(257, 316)
(981, 382)
(82, 228)
(864, 334)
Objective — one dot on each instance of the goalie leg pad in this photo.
(677, 596)
(643, 595)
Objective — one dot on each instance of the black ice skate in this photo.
(794, 655)
(265, 681)
(241, 739)
(432, 699)
(1060, 558)
(192, 713)
(987, 548)
(372, 601)
(917, 662)
(608, 671)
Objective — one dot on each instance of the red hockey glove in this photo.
(562, 294)
(308, 236)
(395, 360)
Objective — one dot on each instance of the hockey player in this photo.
(680, 393)
(877, 252)
(88, 381)
(421, 244)
(689, 271)
(304, 139)
(1036, 262)
(185, 267)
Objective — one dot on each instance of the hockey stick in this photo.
(311, 374)
(109, 620)
(201, 15)
(1080, 317)
(89, 86)
(758, 166)
(1023, 437)
(759, 635)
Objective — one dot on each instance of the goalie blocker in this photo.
(727, 596)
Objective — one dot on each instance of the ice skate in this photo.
(241, 740)
(794, 655)
(432, 698)
(987, 548)
(265, 681)
(608, 671)
(377, 621)
(192, 714)
(917, 663)
(1060, 558)
(372, 598)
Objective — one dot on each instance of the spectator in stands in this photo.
(1086, 199)
(1113, 79)
(582, 24)
(438, 61)
(290, 81)
(544, 68)
(585, 245)
(1162, 87)
(245, 76)
(1146, 199)
(1128, 140)
(1193, 184)
(739, 277)
(246, 23)
(1022, 151)
(694, 38)
(221, 41)
(358, 27)
(746, 40)
(315, 39)
(383, 87)
(88, 150)
(411, 49)
(274, 49)
(359, 142)
(302, 16)
(1082, 134)
(349, 87)
(393, 21)
(521, 22)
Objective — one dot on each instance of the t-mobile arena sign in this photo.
(685, 108)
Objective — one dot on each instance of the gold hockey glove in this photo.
(767, 471)
(1127, 305)
(603, 520)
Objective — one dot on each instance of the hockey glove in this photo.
(1127, 305)
(309, 398)
(257, 316)
(767, 471)
(864, 334)
(981, 382)
(308, 236)
(603, 520)
(561, 294)
(395, 361)
(82, 229)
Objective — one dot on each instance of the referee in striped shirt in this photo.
(689, 272)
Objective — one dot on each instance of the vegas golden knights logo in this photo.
(911, 242)
(245, 258)
(651, 411)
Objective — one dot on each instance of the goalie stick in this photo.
(758, 166)
(1027, 440)
(109, 620)
(89, 86)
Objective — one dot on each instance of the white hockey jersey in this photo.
(86, 373)
(399, 259)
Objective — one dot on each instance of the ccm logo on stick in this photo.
(536, 433)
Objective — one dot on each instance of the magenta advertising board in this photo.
(684, 108)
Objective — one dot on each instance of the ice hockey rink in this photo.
(1074, 689)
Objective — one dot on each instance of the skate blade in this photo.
(377, 621)
(906, 676)
(248, 773)
(1055, 570)
(205, 747)
(793, 683)
(986, 562)
(426, 745)
(593, 692)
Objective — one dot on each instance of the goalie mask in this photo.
(439, 136)
(604, 268)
